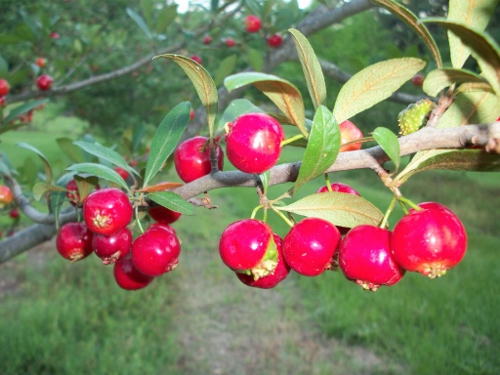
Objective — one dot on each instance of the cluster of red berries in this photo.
(107, 213)
(8, 204)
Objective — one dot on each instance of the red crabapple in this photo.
(74, 241)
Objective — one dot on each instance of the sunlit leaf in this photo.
(440, 79)
(311, 68)
(341, 209)
(172, 201)
(374, 84)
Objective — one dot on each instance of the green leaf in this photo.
(471, 13)
(140, 22)
(455, 160)
(322, 147)
(255, 59)
(4, 169)
(281, 92)
(374, 84)
(86, 185)
(264, 179)
(483, 48)
(226, 67)
(29, 172)
(40, 189)
(389, 143)
(137, 136)
(4, 67)
(439, 79)
(100, 171)
(48, 169)
(415, 24)
(166, 138)
(311, 67)
(203, 84)
(172, 201)
(235, 109)
(165, 18)
(147, 10)
(74, 153)
(23, 108)
(106, 154)
(341, 209)
(57, 198)
(478, 107)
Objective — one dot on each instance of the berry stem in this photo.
(255, 210)
(137, 219)
(409, 203)
(328, 183)
(383, 224)
(291, 139)
(280, 214)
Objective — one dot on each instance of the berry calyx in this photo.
(163, 215)
(430, 241)
(310, 245)
(114, 247)
(74, 241)
(156, 251)
(197, 59)
(253, 142)
(248, 246)
(274, 40)
(349, 132)
(4, 87)
(6, 196)
(44, 82)
(128, 277)
(192, 158)
(252, 23)
(365, 257)
(106, 211)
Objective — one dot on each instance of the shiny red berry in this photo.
(14, 213)
(310, 245)
(192, 158)
(365, 257)
(418, 79)
(349, 133)
(114, 247)
(106, 211)
(272, 279)
(6, 196)
(44, 82)
(156, 251)
(128, 277)
(122, 172)
(252, 23)
(40, 62)
(230, 42)
(74, 241)
(274, 40)
(164, 227)
(197, 59)
(4, 87)
(253, 142)
(207, 39)
(430, 241)
(163, 215)
(54, 35)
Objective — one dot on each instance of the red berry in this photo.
(164, 227)
(418, 79)
(6, 196)
(40, 62)
(128, 277)
(271, 280)
(197, 59)
(207, 39)
(122, 172)
(229, 42)
(4, 87)
(3, 102)
(74, 241)
(106, 211)
(114, 247)
(163, 215)
(191, 114)
(44, 82)
(192, 158)
(274, 40)
(348, 133)
(156, 251)
(72, 194)
(244, 243)
(365, 257)
(253, 142)
(310, 246)
(429, 241)
(54, 35)
(252, 23)
(14, 213)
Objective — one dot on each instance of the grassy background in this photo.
(59, 318)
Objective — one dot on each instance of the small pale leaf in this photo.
(40, 189)
(85, 185)
(172, 201)
(389, 143)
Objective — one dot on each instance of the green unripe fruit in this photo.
(415, 116)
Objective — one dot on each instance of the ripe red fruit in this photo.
(244, 243)
(207, 39)
(348, 133)
(274, 40)
(122, 172)
(6, 196)
(229, 42)
(4, 87)
(252, 23)
(3, 102)
(163, 226)
(106, 211)
(14, 213)
(44, 82)
(365, 257)
(192, 158)
(114, 247)
(429, 241)
(197, 59)
(418, 79)
(156, 251)
(271, 280)
(73, 195)
(191, 114)
(253, 142)
(128, 277)
(54, 35)
(74, 241)
(163, 215)
(40, 62)
(310, 245)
